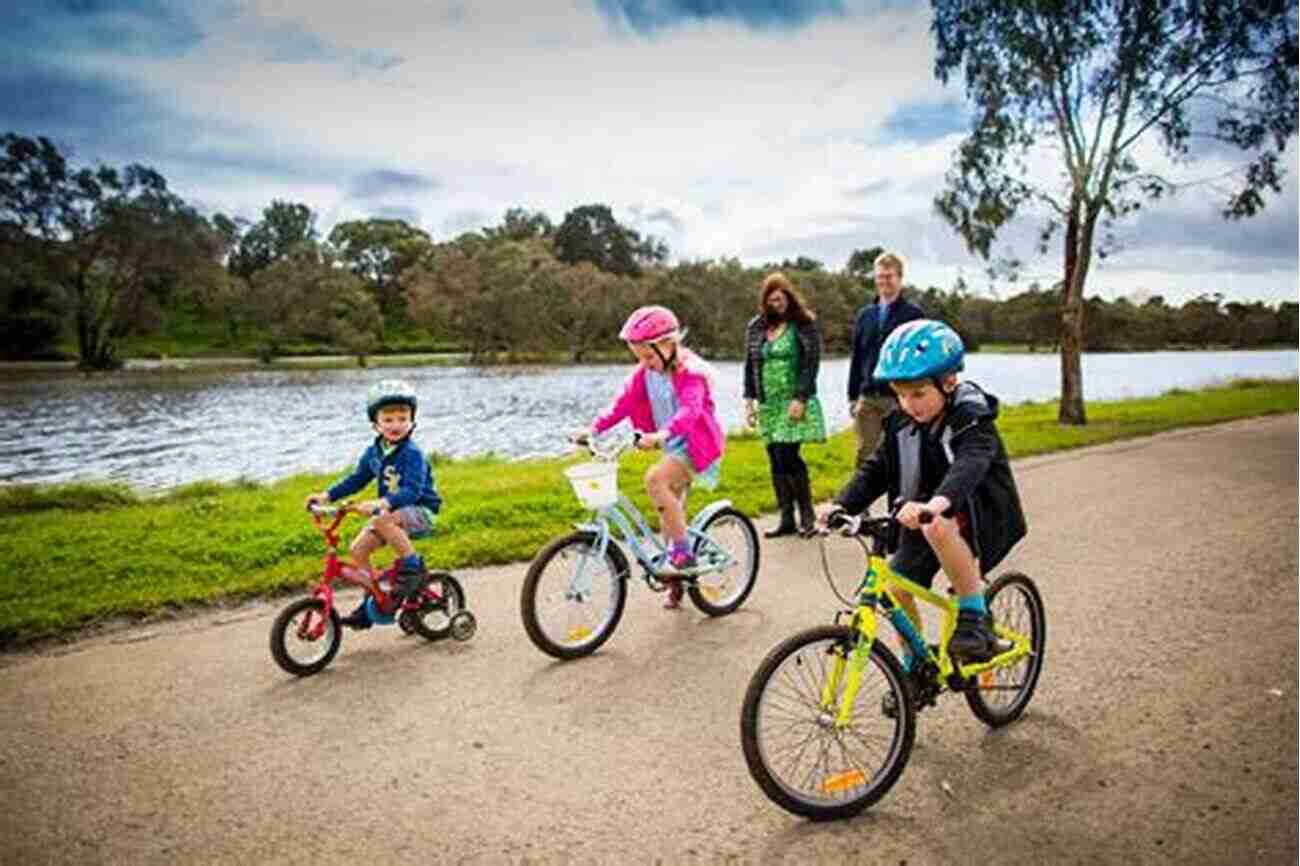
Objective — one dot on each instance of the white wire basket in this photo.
(595, 484)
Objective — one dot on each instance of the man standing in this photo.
(871, 401)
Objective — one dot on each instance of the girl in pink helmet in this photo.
(669, 398)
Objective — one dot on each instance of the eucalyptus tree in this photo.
(1093, 80)
(117, 242)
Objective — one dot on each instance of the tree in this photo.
(862, 264)
(1093, 80)
(478, 290)
(377, 251)
(111, 240)
(521, 224)
(309, 296)
(283, 228)
(591, 234)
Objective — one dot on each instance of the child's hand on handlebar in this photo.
(316, 499)
(650, 441)
(826, 511)
(914, 514)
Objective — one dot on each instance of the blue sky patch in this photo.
(925, 121)
(648, 16)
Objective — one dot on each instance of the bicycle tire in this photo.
(1025, 675)
(332, 639)
(579, 640)
(702, 596)
(451, 600)
(802, 717)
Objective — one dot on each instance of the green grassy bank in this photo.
(76, 554)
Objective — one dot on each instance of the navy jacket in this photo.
(963, 459)
(868, 337)
(405, 477)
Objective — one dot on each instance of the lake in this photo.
(155, 432)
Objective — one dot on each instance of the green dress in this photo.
(780, 376)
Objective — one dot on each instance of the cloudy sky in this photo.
(750, 128)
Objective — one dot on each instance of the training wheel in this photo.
(463, 625)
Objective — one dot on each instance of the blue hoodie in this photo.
(405, 477)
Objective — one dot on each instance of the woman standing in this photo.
(783, 352)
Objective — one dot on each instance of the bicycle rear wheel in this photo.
(1001, 694)
(796, 753)
(572, 597)
(441, 599)
(731, 534)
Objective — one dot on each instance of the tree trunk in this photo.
(1070, 319)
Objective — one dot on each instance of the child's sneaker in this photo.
(411, 577)
(680, 557)
(675, 592)
(973, 641)
(358, 619)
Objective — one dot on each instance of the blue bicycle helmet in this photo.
(390, 392)
(920, 349)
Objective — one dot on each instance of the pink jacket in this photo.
(695, 418)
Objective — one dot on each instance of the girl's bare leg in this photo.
(665, 482)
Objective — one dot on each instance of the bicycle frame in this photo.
(334, 569)
(874, 593)
(636, 533)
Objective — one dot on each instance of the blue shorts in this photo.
(416, 521)
(709, 478)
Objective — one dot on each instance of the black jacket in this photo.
(965, 455)
(868, 337)
(810, 358)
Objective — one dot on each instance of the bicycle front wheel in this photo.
(798, 755)
(727, 536)
(572, 597)
(293, 646)
(1000, 695)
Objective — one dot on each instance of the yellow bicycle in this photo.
(829, 718)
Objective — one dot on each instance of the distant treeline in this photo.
(108, 257)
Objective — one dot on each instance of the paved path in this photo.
(1164, 729)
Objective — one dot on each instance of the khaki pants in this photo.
(869, 425)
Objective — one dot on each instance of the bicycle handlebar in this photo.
(588, 441)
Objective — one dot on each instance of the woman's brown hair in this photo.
(797, 309)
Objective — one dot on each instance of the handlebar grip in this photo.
(926, 517)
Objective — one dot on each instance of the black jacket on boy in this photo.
(963, 459)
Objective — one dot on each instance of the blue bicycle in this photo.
(573, 596)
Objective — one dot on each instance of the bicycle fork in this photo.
(849, 669)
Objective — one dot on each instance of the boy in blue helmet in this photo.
(941, 453)
(408, 499)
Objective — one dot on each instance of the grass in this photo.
(79, 554)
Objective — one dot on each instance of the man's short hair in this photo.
(890, 260)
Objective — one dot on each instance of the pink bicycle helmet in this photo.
(649, 325)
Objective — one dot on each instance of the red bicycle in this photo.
(307, 634)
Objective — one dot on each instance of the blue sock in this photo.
(414, 562)
(909, 661)
(974, 603)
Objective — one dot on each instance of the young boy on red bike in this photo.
(408, 500)
(941, 454)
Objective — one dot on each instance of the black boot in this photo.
(358, 619)
(802, 488)
(784, 487)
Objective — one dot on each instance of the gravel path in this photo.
(1164, 729)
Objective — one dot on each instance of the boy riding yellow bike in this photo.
(941, 454)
